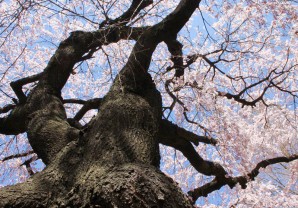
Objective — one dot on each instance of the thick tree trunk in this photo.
(113, 161)
(113, 164)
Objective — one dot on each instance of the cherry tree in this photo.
(148, 103)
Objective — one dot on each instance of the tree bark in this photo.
(114, 163)
(114, 160)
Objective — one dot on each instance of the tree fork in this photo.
(115, 162)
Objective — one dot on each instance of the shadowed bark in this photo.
(113, 161)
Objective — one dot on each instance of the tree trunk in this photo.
(113, 164)
(114, 161)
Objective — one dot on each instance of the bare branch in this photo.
(170, 138)
(217, 183)
(175, 48)
(173, 130)
(7, 108)
(88, 105)
(17, 155)
(74, 101)
(17, 86)
(134, 9)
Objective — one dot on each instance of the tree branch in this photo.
(174, 22)
(134, 9)
(170, 130)
(217, 183)
(7, 108)
(90, 104)
(87, 105)
(17, 155)
(74, 101)
(170, 138)
(17, 86)
(175, 48)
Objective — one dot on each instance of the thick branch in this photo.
(172, 130)
(7, 108)
(134, 9)
(217, 183)
(174, 22)
(90, 104)
(17, 86)
(15, 122)
(175, 48)
(170, 138)
(87, 105)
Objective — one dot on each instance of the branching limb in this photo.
(175, 48)
(17, 155)
(178, 132)
(238, 99)
(87, 105)
(217, 183)
(17, 86)
(175, 98)
(134, 9)
(90, 104)
(26, 163)
(170, 138)
(7, 108)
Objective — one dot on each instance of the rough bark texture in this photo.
(113, 164)
(113, 161)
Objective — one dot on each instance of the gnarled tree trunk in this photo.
(114, 160)
(113, 163)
